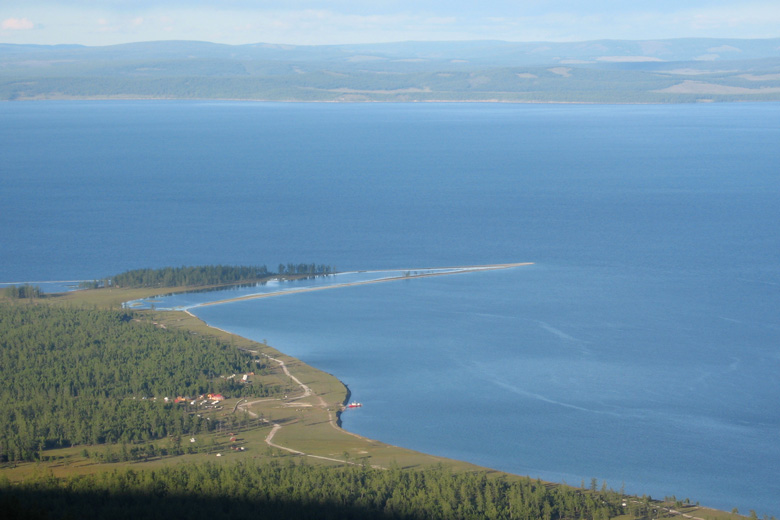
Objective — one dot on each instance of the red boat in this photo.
(353, 404)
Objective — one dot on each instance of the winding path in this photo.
(307, 392)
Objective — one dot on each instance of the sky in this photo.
(318, 22)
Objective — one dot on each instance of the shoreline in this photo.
(315, 402)
(700, 512)
(334, 416)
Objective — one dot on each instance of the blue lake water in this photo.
(642, 347)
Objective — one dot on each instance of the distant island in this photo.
(605, 71)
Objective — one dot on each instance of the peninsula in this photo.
(402, 275)
(171, 415)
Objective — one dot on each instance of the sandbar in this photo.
(408, 274)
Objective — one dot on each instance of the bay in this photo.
(640, 348)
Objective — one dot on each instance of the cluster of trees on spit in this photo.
(275, 490)
(14, 292)
(196, 276)
(73, 376)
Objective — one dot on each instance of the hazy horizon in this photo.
(315, 22)
(394, 42)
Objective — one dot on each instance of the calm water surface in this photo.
(643, 347)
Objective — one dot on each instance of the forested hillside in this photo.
(77, 376)
(656, 71)
(251, 490)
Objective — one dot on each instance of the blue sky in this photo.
(308, 22)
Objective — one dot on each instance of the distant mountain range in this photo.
(604, 71)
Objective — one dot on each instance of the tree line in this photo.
(188, 276)
(249, 489)
(305, 269)
(204, 275)
(15, 292)
(76, 376)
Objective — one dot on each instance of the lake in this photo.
(641, 348)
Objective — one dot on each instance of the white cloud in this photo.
(124, 25)
(627, 59)
(565, 21)
(17, 24)
(323, 26)
(724, 48)
(763, 18)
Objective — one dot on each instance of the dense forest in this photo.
(195, 276)
(290, 490)
(76, 376)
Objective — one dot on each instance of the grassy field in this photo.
(301, 424)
